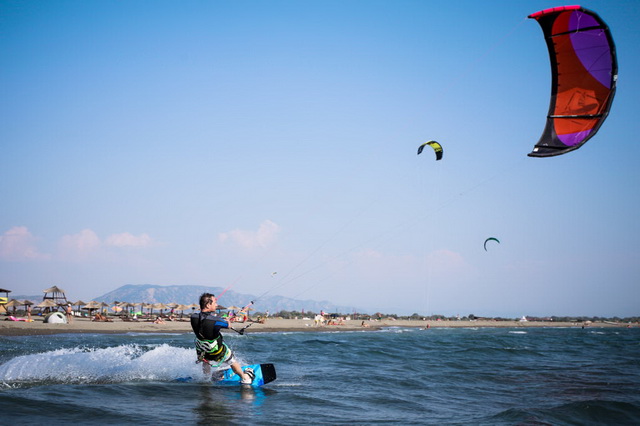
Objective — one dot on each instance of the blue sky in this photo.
(216, 142)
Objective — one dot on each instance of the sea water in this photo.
(456, 376)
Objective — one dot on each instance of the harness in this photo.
(210, 347)
(210, 350)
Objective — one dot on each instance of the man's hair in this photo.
(205, 299)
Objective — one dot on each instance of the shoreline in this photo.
(273, 325)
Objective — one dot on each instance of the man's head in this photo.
(207, 299)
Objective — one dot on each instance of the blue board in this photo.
(264, 373)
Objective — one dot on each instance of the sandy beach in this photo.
(85, 325)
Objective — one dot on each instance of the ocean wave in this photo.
(123, 363)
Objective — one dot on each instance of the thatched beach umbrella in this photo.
(219, 309)
(78, 304)
(131, 306)
(92, 306)
(119, 307)
(173, 306)
(47, 304)
(27, 306)
(147, 306)
(13, 303)
(160, 306)
(182, 308)
(141, 304)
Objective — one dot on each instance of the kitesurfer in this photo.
(210, 347)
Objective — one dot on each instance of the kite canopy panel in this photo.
(584, 71)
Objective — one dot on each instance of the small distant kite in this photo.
(273, 274)
(584, 72)
(437, 148)
(490, 239)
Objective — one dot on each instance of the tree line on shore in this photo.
(470, 317)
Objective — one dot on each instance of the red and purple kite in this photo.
(584, 72)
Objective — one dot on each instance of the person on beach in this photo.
(242, 316)
(210, 346)
(69, 313)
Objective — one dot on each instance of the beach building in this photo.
(57, 296)
(4, 300)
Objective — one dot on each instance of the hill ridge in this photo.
(187, 294)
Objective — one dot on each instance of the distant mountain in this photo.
(187, 294)
(36, 299)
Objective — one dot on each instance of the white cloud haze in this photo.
(126, 239)
(18, 244)
(263, 237)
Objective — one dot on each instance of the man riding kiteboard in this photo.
(210, 347)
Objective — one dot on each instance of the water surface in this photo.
(405, 376)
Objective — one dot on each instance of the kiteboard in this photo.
(264, 373)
